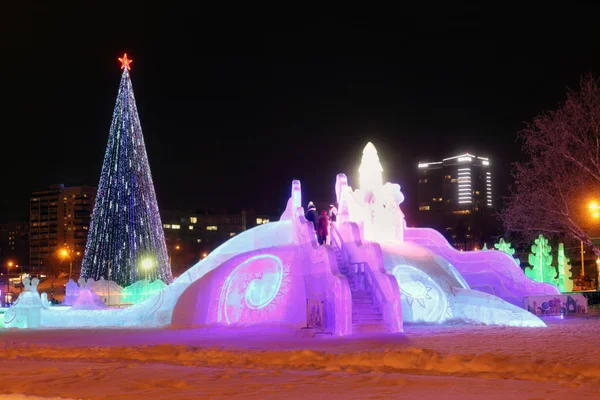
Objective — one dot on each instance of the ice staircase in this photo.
(366, 314)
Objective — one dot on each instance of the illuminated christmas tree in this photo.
(126, 242)
(541, 262)
(505, 247)
(565, 278)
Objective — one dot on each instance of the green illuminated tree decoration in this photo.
(484, 247)
(141, 290)
(541, 262)
(565, 281)
(505, 247)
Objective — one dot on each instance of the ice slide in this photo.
(488, 271)
(275, 273)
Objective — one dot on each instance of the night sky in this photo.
(234, 106)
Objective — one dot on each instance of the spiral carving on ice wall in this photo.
(252, 286)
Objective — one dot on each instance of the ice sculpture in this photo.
(71, 293)
(376, 275)
(44, 298)
(375, 207)
(26, 311)
(87, 298)
(140, 291)
(565, 278)
(434, 291)
(490, 271)
(108, 291)
(540, 260)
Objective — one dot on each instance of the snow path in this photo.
(554, 362)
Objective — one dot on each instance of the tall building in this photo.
(190, 236)
(455, 197)
(14, 243)
(59, 218)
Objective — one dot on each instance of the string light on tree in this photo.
(126, 226)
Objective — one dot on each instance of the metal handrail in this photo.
(374, 284)
(337, 238)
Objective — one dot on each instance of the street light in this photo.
(64, 253)
(20, 275)
(8, 266)
(594, 208)
(146, 265)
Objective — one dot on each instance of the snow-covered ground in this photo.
(452, 361)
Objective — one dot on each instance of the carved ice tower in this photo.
(370, 170)
(374, 206)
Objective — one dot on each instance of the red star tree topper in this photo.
(125, 62)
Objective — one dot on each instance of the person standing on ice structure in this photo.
(312, 215)
(332, 214)
(323, 227)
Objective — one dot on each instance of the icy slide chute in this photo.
(376, 275)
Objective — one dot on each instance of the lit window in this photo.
(448, 177)
(167, 226)
(424, 208)
(259, 221)
(176, 226)
(231, 234)
(191, 227)
(194, 220)
(440, 199)
(461, 212)
(265, 221)
(198, 240)
(212, 228)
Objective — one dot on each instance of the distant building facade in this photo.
(456, 197)
(14, 243)
(59, 218)
(191, 236)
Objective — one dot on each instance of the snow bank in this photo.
(409, 360)
(23, 397)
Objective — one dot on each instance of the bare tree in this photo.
(556, 188)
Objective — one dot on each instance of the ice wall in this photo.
(266, 287)
(490, 271)
(158, 309)
(434, 291)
